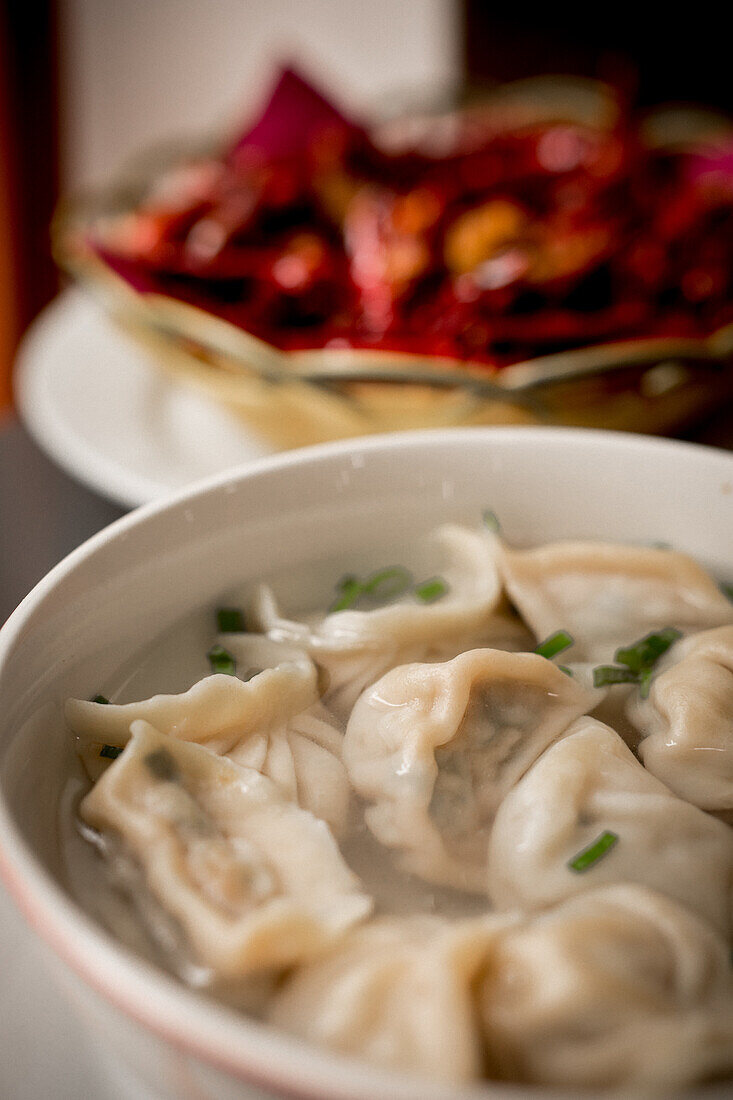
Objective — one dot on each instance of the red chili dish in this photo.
(510, 243)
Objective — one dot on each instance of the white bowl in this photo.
(133, 580)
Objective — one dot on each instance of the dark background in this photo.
(662, 52)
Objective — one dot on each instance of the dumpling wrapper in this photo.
(356, 647)
(607, 595)
(618, 987)
(397, 993)
(273, 722)
(217, 709)
(585, 785)
(686, 723)
(255, 882)
(435, 748)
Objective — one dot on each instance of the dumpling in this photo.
(217, 710)
(619, 987)
(301, 753)
(587, 796)
(356, 647)
(435, 747)
(686, 723)
(607, 596)
(254, 881)
(273, 722)
(463, 558)
(397, 993)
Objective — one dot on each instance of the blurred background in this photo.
(86, 84)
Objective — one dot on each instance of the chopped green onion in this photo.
(387, 584)
(432, 590)
(380, 587)
(644, 653)
(566, 670)
(727, 590)
(349, 589)
(645, 682)
(111, 752)
(221, 660)
(555, 644)
(491, 521)
(162, 765)
(230, 620)
(604, 675)
(636, 662)
(100, 699)
(595, 851)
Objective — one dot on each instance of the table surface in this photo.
(44, 515)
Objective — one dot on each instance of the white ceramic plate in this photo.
(92, 401)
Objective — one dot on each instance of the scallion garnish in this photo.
(595, 851)
(432, 590)
(387, 584)
(384, 586)
(636, 662)
(110, 752)
(222, 661)
(491, 521)
(100, 699)
(604, 675)
(380, 588)
(727, 590)
(555, 644)
(230, 620)
(349, 590)
(566, 670)
(645, 682)
(643, 654)
(162, 765)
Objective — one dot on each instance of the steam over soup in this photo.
(488, 802)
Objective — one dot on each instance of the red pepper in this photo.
(507, 244)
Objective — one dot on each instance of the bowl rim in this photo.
(247, 1050)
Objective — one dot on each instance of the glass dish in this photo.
(306, 396)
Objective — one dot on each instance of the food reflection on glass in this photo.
(468, 821)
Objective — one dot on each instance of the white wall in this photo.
(135, 72)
